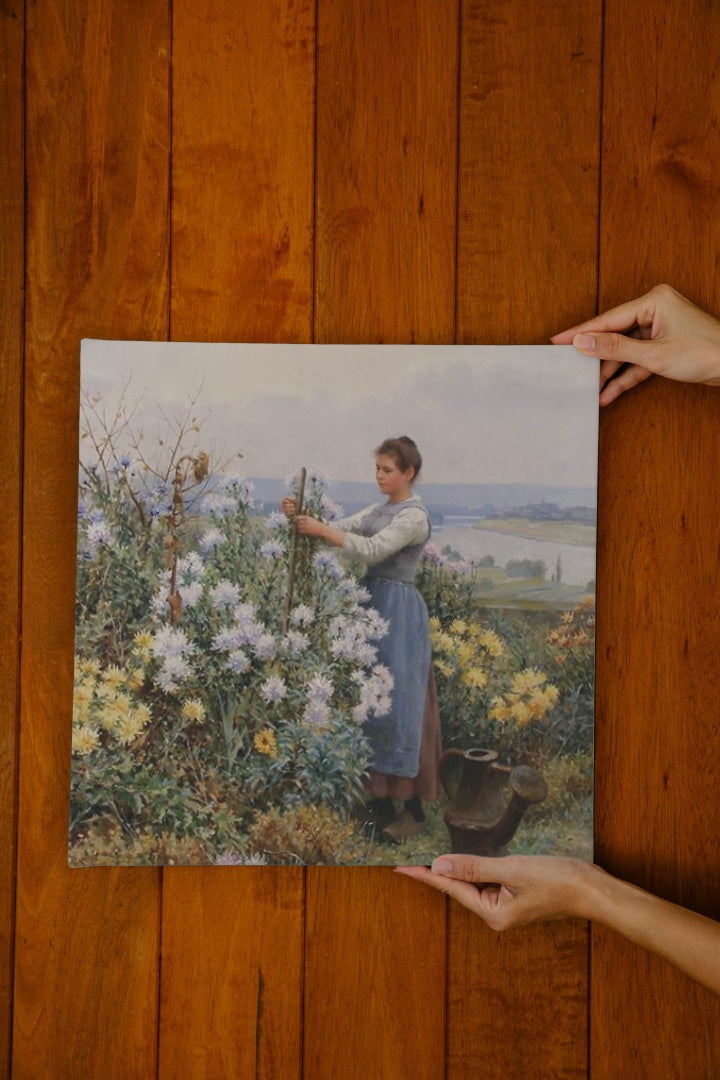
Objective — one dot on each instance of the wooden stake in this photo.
(293, 552)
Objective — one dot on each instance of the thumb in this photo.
(474, 868)
(620, 349)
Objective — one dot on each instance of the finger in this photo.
(623, 317)
(463, 891)
(621, 349)
(608, 369)
(628, 378)
(475, 868)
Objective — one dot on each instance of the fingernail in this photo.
(585, 341)
(442, 866)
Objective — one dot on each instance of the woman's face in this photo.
(391, 479)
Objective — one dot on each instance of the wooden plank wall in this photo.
(358, 170)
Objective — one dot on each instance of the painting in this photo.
(335, 604)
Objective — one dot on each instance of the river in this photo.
(577, 561)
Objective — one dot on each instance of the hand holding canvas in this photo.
(520, 889)
(660, 333)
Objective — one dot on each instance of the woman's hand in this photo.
(520, 889)
(660, 333)
(289, 506)
(513, 890)
(310, 526)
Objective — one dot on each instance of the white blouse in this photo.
(409, 526)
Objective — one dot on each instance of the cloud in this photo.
(479, 414)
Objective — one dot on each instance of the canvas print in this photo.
(335, 605)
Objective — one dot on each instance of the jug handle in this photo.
(442, 769)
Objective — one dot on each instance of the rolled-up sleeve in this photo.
(408, 527)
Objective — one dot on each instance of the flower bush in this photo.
(204, 693)
(520, 683)
(225, 668)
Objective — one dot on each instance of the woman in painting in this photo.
(389, 537)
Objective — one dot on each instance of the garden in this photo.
(224, 669)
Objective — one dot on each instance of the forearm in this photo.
(332, 536)
(685, 939)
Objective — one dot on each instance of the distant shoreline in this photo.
(564, 532)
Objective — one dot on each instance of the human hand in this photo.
(288, 506)
(660, 333)
(309, 526)
(513, 890)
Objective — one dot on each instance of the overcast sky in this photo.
(480, 414)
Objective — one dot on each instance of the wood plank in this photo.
(529, 131)
(97, 265)
(527, 242)
(243, 140)
(385, 259)
(385, 192)
(658, 668)
(12, 224)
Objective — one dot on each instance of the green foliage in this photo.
(202, 697)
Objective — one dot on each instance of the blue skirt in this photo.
(405, 650)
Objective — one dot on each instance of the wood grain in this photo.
(527, 243)
(529, 159)
(657, 662)
(385, 187)
(243, 143)
(440, 183)
(386, 130)
(97, 232)
(12, 225)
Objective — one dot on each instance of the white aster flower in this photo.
(224, 595)
(273, 689)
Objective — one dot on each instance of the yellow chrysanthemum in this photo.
(265, 742)
(443, 668)
(458, 626)
(499, 710)
(435, 623)
(537, 707)
(114, 677)
(136, 678)
(443, 642)
(466, 653)
(85, 739)
(143, 714)
(475, 678)
(110, 717)
(81, 713)
(491, 642)
(129, 727)
(550, 696)
(521, 713)
(88, 667)
(82, 694)
(528, 681)
(194, 710)
(142, 644)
